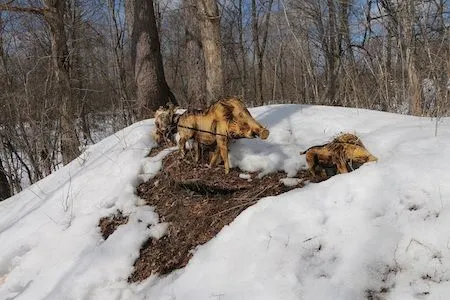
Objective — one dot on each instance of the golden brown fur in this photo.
(344, 151)
(349, 139)
(224, 120)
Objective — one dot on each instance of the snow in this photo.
(245, 176)
(382, 230)
(290, 181)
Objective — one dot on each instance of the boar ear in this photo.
(228, 113)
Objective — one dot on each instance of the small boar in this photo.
(165, 123)
(345, 153)
(224, 120)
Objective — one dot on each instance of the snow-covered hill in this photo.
(381, 231)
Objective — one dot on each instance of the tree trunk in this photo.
(259, 48)
(255, 36)
(5, 191)
(194, 64)
(389, 47)
(333, 53)
(3, 54)
(152, 88)
(344, 29)
(413, 84)
(76, 63)
(54, 15)
(212, 50)
(117, 34)
(242, 50)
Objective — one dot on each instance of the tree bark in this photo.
(212, 50)
(333, 53)
(152, 88)
(194, 64)
(76, 63)
(259, 48)
(255, 36)
(344, 29)
(117, 34)
(5, 191)
(242, 50)
(413, 84)
(54, 16)
(3, 55)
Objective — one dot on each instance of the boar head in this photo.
(242, 124)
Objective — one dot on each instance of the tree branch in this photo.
(19, 9)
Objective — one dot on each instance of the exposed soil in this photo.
(109, 224)
(198, 202)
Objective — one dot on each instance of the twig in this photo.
(253, 201)
(308, 239)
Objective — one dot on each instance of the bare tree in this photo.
(332, 52)
(259, 46)
(65, 64)
(117, 33)
(2, 53)
(243, 52)
(5, 191)
(408, 44)
(152, 88)
(53, 13)
(345, 45)
(212, 49)
(194, 62)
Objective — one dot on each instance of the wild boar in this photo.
(345, 153)
(224, 120)
(165, 123)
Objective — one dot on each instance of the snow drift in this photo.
(380, 231)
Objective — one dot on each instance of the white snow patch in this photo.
(290, 181)
(245, 176)
(159, 230)
(152, 165)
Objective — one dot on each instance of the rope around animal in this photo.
(201, 130)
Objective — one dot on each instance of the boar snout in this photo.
(264, 134)
(372, 158)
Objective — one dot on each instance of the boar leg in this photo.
(341, 166)
(196, 150)
(181, 146)
(214, 157)
(311, 161)
(222, 145)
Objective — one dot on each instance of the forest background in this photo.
(74, 71)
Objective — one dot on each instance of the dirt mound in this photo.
(198, 202)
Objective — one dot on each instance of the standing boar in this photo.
(224, 120)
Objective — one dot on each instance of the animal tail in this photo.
(304, 152)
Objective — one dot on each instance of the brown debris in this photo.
(109, 224)
(198, 202)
